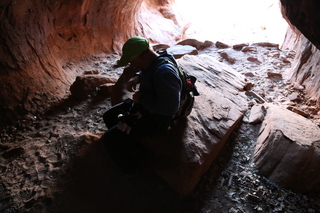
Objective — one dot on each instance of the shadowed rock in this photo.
(288, 150)
(86, 85)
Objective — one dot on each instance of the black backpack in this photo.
(189, 89)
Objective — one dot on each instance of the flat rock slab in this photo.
(183, 155)
(288, 150)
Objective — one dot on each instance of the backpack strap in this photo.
(189, 89)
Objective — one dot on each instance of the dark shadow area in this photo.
(92, 183)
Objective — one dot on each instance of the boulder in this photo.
(183, 155)
(195, 43)
(256, 114)
(180, 50)
(191, 42)
(221, 45)
(240, 46)
(86, 85)
(266, 44)
(288, 150)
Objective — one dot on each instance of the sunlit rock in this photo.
(180, 50)
(256, 114)
(254, 60)
(221, 45)
(196, 43)
(249, 49)
(274, 74)
(266, 44)
(240, 46)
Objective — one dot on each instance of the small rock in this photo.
(294, 97)
(256, 96)
(91, 72)
(180, 50)
(298, 86)
(248, 86)
(249, 74)
(266, 44)
(312, 109)
(253, 59)
(275, 54)
(273, 74)
(221, 45)
(239, 46)
(256, 114)
(227, 57)
(191, 42)
(298, 111)
(249, 49)
(269, 99)
(206, 44)
(285, 60)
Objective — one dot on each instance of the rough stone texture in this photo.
(86, 85)
(256, 114)
(304, 37)
(306, 65)
(288, 150)
(183, 155)
(39, 38)
(304, 15)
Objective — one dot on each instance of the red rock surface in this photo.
(288, 150)
(38, 40)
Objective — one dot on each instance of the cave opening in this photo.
(233, 21)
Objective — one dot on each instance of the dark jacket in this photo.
(160, 86)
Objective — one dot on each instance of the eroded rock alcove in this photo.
(39, 39)
(40, 62)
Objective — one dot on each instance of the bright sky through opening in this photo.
(234, 21)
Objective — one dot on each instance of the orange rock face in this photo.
(39, 39)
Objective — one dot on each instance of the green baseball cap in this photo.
(133, 47)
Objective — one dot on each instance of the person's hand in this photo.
(136, 96)
(132, 84)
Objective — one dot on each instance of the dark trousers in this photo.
(124, 148)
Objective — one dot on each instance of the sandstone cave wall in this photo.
(38, 38)
(303, 36)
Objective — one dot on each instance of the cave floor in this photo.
(46, 166)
